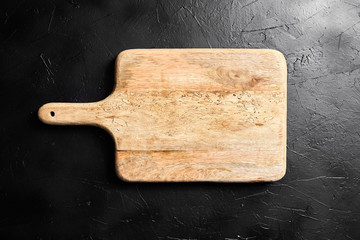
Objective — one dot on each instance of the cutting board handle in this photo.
(69, 113)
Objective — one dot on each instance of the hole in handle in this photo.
(52, 113)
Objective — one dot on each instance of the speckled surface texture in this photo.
(60, 182)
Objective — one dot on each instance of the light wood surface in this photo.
(191, 115)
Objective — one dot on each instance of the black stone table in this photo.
(60, 183)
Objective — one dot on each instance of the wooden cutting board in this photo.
(191, 115)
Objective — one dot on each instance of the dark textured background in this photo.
(59, 182)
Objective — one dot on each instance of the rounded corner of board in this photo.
(279, 176)
(279, 55)
(122, 177)
(119, 170)
(121, 55)
(124, 53)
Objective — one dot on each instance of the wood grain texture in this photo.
(192, 115)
